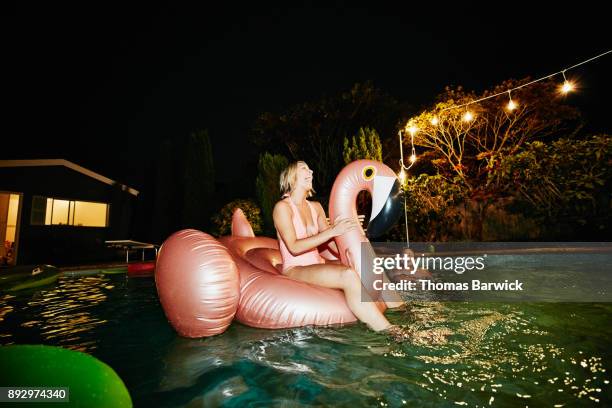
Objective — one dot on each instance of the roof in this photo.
(70, 165)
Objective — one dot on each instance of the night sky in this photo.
(103, 86)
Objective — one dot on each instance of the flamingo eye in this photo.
(368, 173)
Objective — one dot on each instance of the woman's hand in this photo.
(342, 225)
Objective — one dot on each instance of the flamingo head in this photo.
(384, 187)
(387, 197)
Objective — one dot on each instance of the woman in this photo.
(301, 227)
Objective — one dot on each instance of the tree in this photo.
(198, 180)
(366, 145)
(267, 185)
(468, 150)
(565, 184)
(314, 131)
(166, 205)
(432, 204)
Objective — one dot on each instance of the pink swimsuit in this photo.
(307, 258)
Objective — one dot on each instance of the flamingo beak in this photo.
(386, 205)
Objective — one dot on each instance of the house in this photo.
(56, 212)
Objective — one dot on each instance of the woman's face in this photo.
(304, 177)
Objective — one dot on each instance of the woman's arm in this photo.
(323, 224)
(284, 225)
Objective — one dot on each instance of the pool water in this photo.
(500, 355)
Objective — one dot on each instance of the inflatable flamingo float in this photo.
(204, 283)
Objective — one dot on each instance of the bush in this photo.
(564, 185)
(222, 221)
(432, 203)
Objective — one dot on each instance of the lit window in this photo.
(49, 211)
(59, 212)
(11, 220)
(52, 211)
(88, 214)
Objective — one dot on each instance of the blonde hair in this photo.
(288, 178)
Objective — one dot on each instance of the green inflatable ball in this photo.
(91, 383)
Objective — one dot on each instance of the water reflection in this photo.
(62, 315)
(501, 357)
(5, 307)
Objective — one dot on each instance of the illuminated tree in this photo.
(470, 142)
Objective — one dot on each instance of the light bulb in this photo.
(402, 175)
(412, 158)
(413, 129)
(567, 87)
(434, 121)
(468, 116)
(511, 105)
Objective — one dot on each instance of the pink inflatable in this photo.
(197, 284)
(384, 188)
(204, 283)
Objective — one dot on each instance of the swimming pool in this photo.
(501, 354)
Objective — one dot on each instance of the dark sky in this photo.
(102, 86)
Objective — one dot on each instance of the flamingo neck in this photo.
(344, 193)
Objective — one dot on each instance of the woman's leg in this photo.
(391, 297)
(342, 277)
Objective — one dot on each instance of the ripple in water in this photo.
(498, 354)
(64, 315)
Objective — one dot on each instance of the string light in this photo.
(402, 177)
(567, 86)
(511, 104)
(413, 131)
(468, 116)
(402, 174)
(413, 157)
